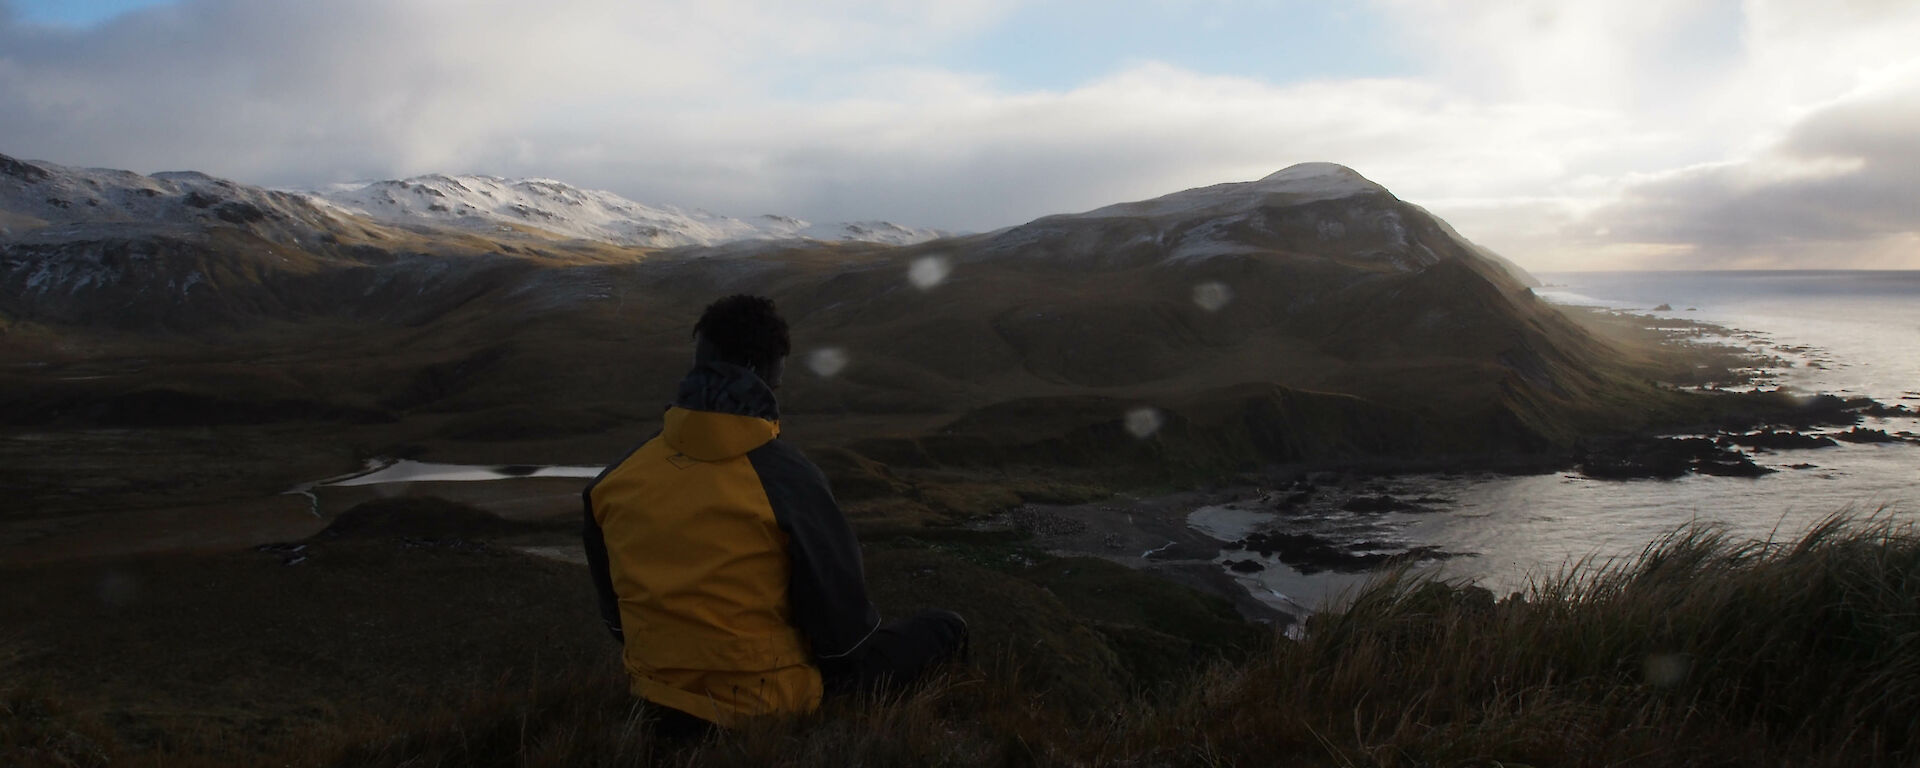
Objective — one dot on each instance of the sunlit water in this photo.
(381, 471)
(1866, 323)
(1861, 328)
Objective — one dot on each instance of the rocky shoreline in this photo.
(1328, 522)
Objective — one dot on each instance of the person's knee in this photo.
(949, 627)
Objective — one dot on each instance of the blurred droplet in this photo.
(1143, 422)
(826, 361)
(1211, 296)
(929, 271)
(117, 589)
(1665, 670)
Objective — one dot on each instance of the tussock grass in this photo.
(1702, 650)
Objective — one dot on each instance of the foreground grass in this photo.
(1701, 651)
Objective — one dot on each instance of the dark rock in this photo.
(1664, 308)
(1310, 554)
(1183, 551)
(290, 553)
(240, 213)
(1661, 457)
(1381, 503)
(1779, 440)
(1863, 435)
(1735, 466)
(198, 199)
(21, 170)
(1824, 410)
(1245, 566)
(1666, 458)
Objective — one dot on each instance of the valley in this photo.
(1017, 423)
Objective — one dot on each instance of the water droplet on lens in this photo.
(826, 361)
(117, 589)
(929, 271)
(1211, 296)
(1665, 670)
(1143, 422)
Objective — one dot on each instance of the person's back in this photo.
(720, 556)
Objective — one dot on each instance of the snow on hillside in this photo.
(553, 206)
(1324, 209)
(38, 195)
(1303, 183)
(48, 197)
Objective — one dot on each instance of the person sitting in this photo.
(721, 560)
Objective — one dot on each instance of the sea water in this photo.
(1863, 326)
(1849, 333)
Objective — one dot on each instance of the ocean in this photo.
(1841, 332)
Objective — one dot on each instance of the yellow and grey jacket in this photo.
(721, 559)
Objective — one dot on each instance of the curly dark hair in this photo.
(745, 330)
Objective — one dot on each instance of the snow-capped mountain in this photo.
(184, 247)
(187, 248)
(489, 202)
(35, 195)
(1323, 209)
(54, 199)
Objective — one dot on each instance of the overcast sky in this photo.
(1566, 134)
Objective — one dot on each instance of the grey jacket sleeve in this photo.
(595, 545)
(829, 583)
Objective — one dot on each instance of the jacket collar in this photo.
(722, 411)
(710, 436)
(723, 387)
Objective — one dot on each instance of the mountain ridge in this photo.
(1215, 304)
(555, 206)
(35, 194)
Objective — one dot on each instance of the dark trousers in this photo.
(898, 654)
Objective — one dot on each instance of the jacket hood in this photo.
(722, 411)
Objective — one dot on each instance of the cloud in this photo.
(739, 107)
(1841, 188)
(305, 90)
(1766, 133)
(1575, 133)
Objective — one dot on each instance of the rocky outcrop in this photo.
(1666, 458)
(1309, 553)
(1778, 440)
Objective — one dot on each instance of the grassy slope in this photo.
(220, 658)
(1704, 651)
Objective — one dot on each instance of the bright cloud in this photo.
(1563, 133)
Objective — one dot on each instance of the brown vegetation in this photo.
(1702, 651)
